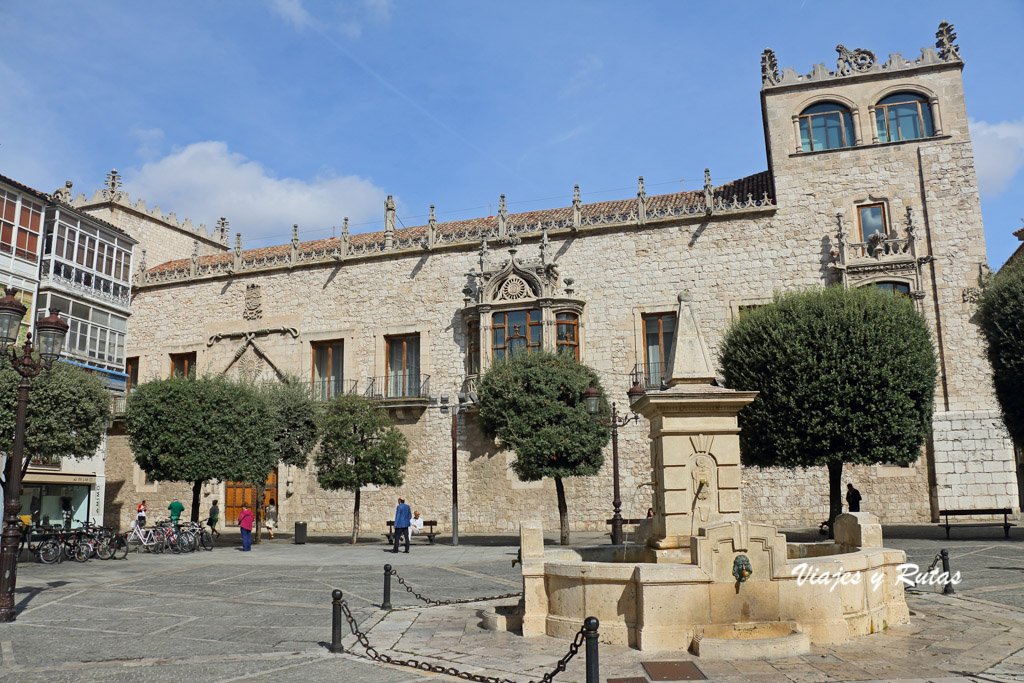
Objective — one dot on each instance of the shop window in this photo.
(659, 335)
(183, 364)
(328, 369)
(826, 126)
(403, 366)
(567, 335)
(516, 332)
(903, 116)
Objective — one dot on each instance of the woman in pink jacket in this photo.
(245, 523)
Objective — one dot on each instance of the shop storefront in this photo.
(53, 498)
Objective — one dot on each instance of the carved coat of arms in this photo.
(253, 302)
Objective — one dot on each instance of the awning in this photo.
(67, 479)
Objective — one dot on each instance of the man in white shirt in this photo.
(416, 523)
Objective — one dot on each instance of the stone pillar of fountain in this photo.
(695, 449)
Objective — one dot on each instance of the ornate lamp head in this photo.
(11, 313)
(50, 334)
(592, 397)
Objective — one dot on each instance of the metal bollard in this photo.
(590, 625)
(336, 621)
(387, 588)
(948, 588)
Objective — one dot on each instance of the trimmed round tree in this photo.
(195, 430)
(1001, 313)
(845, 376)
(359, 446)
(533, 405)
(67, 415)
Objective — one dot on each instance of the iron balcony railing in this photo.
(119, 405)
(325, 389)
(398, 386)
(650, 375)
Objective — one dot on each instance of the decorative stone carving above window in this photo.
(514, 288)
(253, 302)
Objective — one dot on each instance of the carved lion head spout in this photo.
(741, 569)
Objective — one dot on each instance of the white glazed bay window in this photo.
(95, 335)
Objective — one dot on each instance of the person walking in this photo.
(245, 524)
(214, 517)
(140, 514)
(176, 509)
(853, 498)
(270, 517)
(403, 517)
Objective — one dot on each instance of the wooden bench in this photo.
(625, 521)
(429, 530)
(1005, 512)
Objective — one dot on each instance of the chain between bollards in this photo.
(386, 604)
(948, 588)
(590, 625)
(336, 621)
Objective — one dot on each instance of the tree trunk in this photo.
(257, 511)
(835, 495)
(563, 512)
(197, 492)
(355, 519)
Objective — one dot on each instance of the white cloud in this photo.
(206, 180)
(998, 153)
(149, 140)
(293, 12)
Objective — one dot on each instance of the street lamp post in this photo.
(51, 331)
(592, 397)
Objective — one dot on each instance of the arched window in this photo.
(826, 125)
(894, 288)
(903, 116)
(516, 332)
(568, 335)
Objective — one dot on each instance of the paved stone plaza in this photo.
(265, 616)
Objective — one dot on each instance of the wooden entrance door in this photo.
(237, 494)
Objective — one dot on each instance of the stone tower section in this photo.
(873, 161)
(162, 237)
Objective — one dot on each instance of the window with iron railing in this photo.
(659, 334)
(402, 373)
(328, 369)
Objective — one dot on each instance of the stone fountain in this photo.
(706, 579)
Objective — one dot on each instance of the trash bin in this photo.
(300, 532)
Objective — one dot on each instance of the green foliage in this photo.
(846, 376)
(295, 428)
(534, 404)
(192, 430)
(68, 411)
(1001, 314)
(359, 446)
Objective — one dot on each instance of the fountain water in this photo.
(706, 578)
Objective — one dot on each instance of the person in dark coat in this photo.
(853, 498)
(402, 518)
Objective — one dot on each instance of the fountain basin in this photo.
(761, 640)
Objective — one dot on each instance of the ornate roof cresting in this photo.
(577, 209)
(861, 61)
(945, 43)
(389, 222)
(858, 59)
(221, 230)
(769, 68)
(63, 194)
(431, 230)
(113, 185)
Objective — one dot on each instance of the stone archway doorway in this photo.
(238, 493)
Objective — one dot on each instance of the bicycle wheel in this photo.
(192, 540)
(105, 548)
(120, 548)
(49, 552)
(207, 540)
(83, 551)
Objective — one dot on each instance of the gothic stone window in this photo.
(826, 125)
(895, 288)
(183, 364)
(903, 116)
(473, 332)
(568, 334)
(516, 332)
(403, 366)
(328, 374)
(871, 218)
(131, 368)
(659, 333)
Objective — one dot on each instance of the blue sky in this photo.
(295, 111)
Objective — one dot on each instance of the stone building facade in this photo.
(870, 182)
